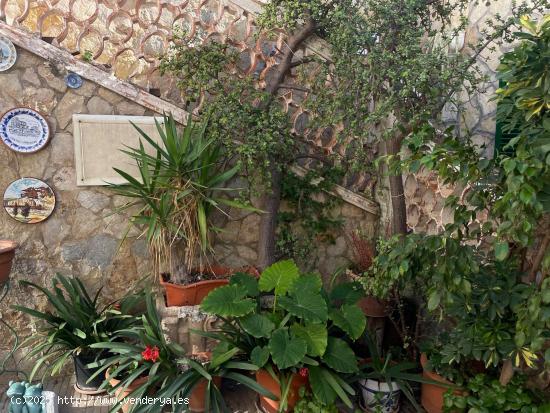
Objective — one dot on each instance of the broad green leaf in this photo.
(307, 282)
(286, 351)
(315, 336)
(501, 251)
(228, 301)
(339, 356)
(434, 300)
(320, 387)
(348, 292)
(259, 356)
(257, 325)
(350, 319)
(309, 306)
(247, 282)
(279, 277)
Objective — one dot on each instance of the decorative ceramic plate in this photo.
(73, 80)
(8, 54)
(29, 200)
(24, 130)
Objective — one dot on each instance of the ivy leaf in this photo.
(350, 319)
(259, 356)
(279, 277)
(315, 336)
(309, 306)
(286, 351)
(247, 282)
(228, 301)
(308, 282)
(257, 325)
(501, 251)
(320, 387)
(339, 356)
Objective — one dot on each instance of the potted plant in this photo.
(293, 330)
(181, 179)
(363, 253)
(143, 364)
(7, 252)
(383, 380)
(75, 322)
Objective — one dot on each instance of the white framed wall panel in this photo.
(98, 140)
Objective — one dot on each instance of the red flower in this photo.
(151, 354)
(304, 372)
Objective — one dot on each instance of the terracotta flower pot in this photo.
(120, 394)
(193, 294)
(196, 399)
(432, 394)
(372, 307)
(272, 406)
(7, 252)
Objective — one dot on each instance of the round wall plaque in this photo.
(24, 130)
(29, 200)
(8, 54)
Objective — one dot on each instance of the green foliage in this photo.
(289, 328)
(307, 217)
(171, 375)
(486, 395)
(308, 404)
(473, 272)
(179, 185)
(75, 322)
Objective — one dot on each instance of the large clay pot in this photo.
(372, 307)
(179, 295)
(432, 394)
(7, 252)
(122, 393)
(272, 406)
(196, 399)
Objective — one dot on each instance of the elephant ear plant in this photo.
(181, 177)
(286, 323)
(75, 322)
(171, 375)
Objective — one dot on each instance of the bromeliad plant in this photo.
(74, 323)
(179, 185)
(142, 351)
(284, 322)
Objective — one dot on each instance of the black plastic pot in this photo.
(83, 373)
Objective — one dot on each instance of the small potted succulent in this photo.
(7, 253)
(75, 322)
(180, 185)
(293, 330)
(143, 364)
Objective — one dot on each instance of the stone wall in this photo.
(83, 236)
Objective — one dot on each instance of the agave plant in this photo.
(285, 322)
(142, 351)
(180, 182)
(75, 322)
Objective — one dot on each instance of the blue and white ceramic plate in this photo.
(24, 130)
(8, 54)
(73, 80)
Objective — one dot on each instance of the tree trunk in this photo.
(399, 209)
(268, 224)
(272, 199)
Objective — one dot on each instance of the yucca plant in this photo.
(143, 351)
(75, 322)
(181, 181)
